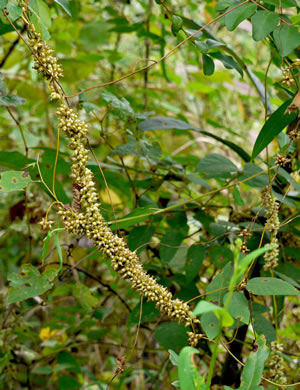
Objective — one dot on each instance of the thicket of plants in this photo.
(149, 194)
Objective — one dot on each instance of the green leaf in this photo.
(65, 4)
(261, 90)
(46, 166)
(263, 23)
(251, 170)
(14, 181)
(164, 123)
(14, 160)
(140, 235)
(177, 23)
(239, 307)
(14, 11)
(46, 244)
(45, 370)
(270, 286)
(138, 215)
(221, 281)
(42, 11)
(67, 383)
(222, 5)
(208, 65)
(216, 165)
(29, 283)
(282, 3)
(84, 296)
(247, 260)
(194, 260)
(293, 252)
(5, 28)
(11, 100)
(210, 324)
(212, 43)
(220, 312)
(40, 17)
(287, 38)
(187, 370)
(263, 327)
(121, 106)
(3, 4)
(235, 17)
(173, 357)
(237, 196)
(273, 126)
(68, 360)
(220, 255)
(149, 313)
(171, 335)
(58, 249)
(252, 372)
(94, 34)
(169, 245)
(228, 62)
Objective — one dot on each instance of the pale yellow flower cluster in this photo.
(277, 366)
(87, 219)
(272, 225)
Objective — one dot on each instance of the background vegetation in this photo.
(193, 135)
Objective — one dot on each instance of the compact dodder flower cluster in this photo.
(276, 364)
(272, 225)
(85, 217)
(288, 78)
(44, 62)
(194, 338)
(89, 221)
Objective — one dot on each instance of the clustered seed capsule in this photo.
(245, 233)
(276, 364)
(281, 160)
(87, 219)
(288, 78)
(194, 338)
(294, 134)
(90, 221)
(272, 225)
(46, 224)
(44, 62)
(287, 75)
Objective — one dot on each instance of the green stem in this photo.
(213, 358)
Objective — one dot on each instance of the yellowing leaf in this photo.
(113, 199)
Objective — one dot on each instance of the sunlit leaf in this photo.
(187, 370)
(236, 16)
(287, 38)
(273, 126)
(29, 283)
(263, 23)
(271, 286)
(252, 372)
(14, 181)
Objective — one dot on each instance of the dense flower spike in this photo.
(44, 62)
(91, 222)
(272, 225)
(86, 218)
(276, 364)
